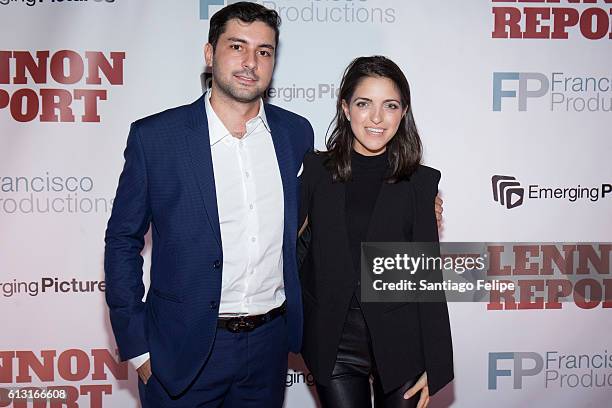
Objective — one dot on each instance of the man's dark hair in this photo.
(243, 11)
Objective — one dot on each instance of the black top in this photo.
(407, 338)
(367, 175)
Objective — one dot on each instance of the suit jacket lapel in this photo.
(198, 141)
(282, 148)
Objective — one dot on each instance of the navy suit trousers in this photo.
(247, 369)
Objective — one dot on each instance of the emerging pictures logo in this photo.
(311, 93)
(53, 285)
(32, 3)
(507, 191)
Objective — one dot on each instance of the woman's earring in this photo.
(348, 118)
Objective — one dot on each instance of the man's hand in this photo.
(439, 210)
(144, 371)
(421, 385)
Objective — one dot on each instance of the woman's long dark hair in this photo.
(404, 149)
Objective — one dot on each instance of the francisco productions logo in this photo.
(550, 369)
(555, 92)
(57, 86)
(555, 21)
(505, 188)
(317, 11)
(51, 193)
(205, 4)
(508, 192)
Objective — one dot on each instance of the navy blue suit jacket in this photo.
(168, 183)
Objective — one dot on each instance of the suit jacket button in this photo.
(213, 305)
(217, 264)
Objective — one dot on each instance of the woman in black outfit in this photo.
(369, 187)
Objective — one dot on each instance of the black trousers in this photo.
(350, 380)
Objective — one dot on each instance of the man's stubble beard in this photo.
(242, 96)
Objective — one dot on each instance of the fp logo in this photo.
(507, 191)
(204, 4)
(525, 364)
(530, 85)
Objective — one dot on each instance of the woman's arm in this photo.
(435, 325)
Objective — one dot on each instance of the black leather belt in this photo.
(248, 323)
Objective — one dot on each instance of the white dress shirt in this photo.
(250, 203)
(251, 206)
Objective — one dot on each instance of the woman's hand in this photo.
(303, 227)
(438, 204)
(421, 385)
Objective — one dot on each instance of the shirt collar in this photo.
(216, 128)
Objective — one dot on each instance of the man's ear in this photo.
(208, 54)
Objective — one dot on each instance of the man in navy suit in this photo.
(217, 183)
